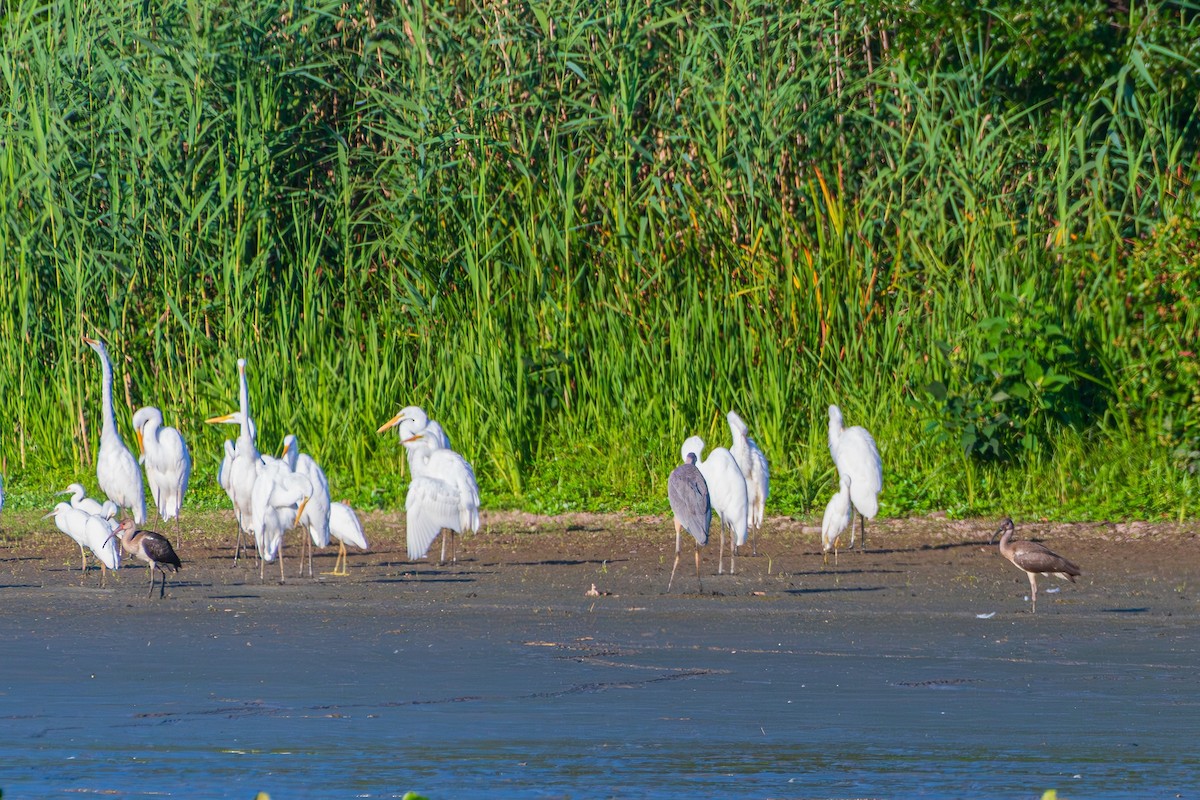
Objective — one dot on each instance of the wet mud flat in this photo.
(912, 670)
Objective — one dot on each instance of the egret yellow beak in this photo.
(89, 340)
(412, 438)
(283, 452)
(226, 418)
(300, 511)
(141, 441)
(391, 422)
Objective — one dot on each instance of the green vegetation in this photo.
(578, 231)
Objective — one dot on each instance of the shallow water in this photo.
(647, 697)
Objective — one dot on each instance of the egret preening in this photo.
(692, 508)
(726, 489)
(117, 470)
(1033, 559)
(278, 502)
(345, 527)
(91, 531)
(838, 514)
(856, 457)
(150, 547)
(316, 513)
(443, 493)
(168, 465)
(753, 464)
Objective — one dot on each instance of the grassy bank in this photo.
(577, 232)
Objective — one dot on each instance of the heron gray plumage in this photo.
(1033, 559)
(692, 507)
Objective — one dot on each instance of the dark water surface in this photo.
(456, 695)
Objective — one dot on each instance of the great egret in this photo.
(345, 527)
(117, 470)
(1033, 559)
(168, 464)
(692, 508)
(241, 470)
(279, 498)
(420, 422)
(855, 455)
(753, 464)
(150, 547)
(80, 500)
(91, 531)
(316, 513)
(443, 493)
(727, 490)
(838, 514)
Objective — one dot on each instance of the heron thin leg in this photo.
(83, 555)
(442, 560)
(699, 583)
(862, 543)
(676, 564)
(754, 541)
(1033, 590)
(732, 549)
(721, 552)
(282, 578)
(150, 593)
(162, 587)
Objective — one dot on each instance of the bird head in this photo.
(414, 414)
(300, 510)
(693, 445)
(736, 423)
(234, 418)
(1006, 526)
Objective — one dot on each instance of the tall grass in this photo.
(577, 232)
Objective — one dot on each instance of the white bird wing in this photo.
(120, 478)
(223, 474)
(859, 459)
(101, 541)
(837, 517)
(451, 468)
(316, 512)
(727, 489)
(431, 505)
(345, 527)
(168, 468)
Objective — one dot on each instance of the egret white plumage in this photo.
(90, 531)
(726, 489)
(80, 501)
(345, 527)
(117, 470)
(856, 457)
(838, 515)
(168, 464)
(443, 493)
(279, 498)
(151, 547)
(1033, 559)
(753, 464)
(315, 519)
(239, 468)
(691, 506)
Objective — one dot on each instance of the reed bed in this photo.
(577, 232)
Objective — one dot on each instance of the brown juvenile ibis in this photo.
(1033, 559)
(151, 547)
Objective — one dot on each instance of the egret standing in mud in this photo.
(345, 527)
(856, 457)
(726, 489)
(692, 508)
(838, 515)
(117, 470)
(753, 464)
(1033, 559)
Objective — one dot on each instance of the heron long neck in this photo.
(110, 420)
(835, 435)
(244, 401)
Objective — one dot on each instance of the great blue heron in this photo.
(727, 489)
(117, 470)
(152, 548)
(1033, 559)
(855, 455)
(753, 464)
(692, 507)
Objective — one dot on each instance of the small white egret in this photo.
(345, 527)
(1033, 559)
(80, 501)
(753, 464)
(855, 455)
(239, 468)
(316, 513)
(279, 498)
(168, 464)
(726, 489)
(117, 470)
(150, 547)
(838, 514)
(443, 493)
(91, 531)
(692, 508)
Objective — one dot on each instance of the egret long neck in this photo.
(244, 401)
(110, 420)
(835, 435)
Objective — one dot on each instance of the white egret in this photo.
(855, 455)
(80, 501)
(443, 493)
(345, 527)
(692, 508)
(753, 464)
(91, 531)
(726, 489)
(168, 464)
(316, 513)
(278, 502)
(1033, 559)
(117, 470)
(838, 515)
(150, 547)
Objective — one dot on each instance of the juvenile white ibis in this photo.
(91, 531)
(117, 471)
(168, 463)
(150, 547)
(692, 508)
(856, 457)
(726, 489)
(753, 464)
(838, 514)
(1033, 559)
(345, 527)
